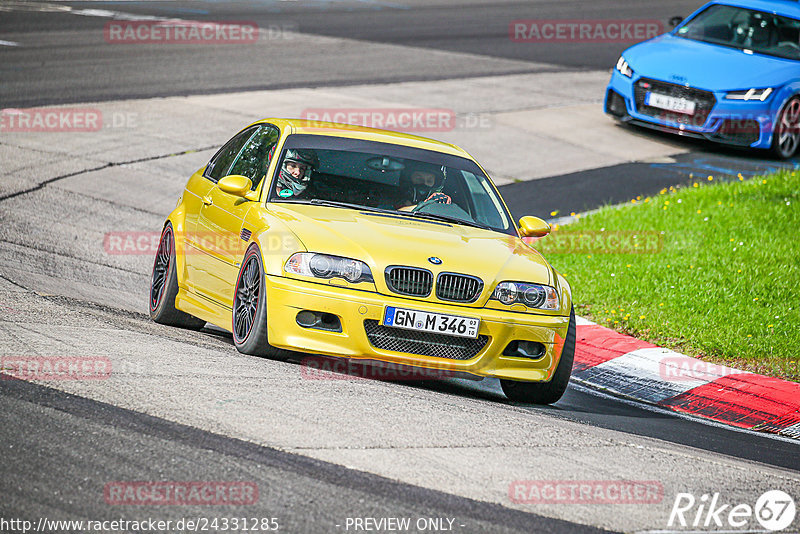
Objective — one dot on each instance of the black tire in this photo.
(164, 287)
(786, 132)
(546, 392)
(249, 316)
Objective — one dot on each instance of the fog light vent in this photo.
(615, 104)
(319, 320)
(525, 349)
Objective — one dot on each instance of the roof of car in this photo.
(334, 129)
(789, 8)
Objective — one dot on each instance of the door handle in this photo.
(207, 200)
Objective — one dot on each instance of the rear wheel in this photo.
(249, 321)
(546, 392)
(786, 137)
(164, 287)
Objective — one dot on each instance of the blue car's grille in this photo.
(704, 101)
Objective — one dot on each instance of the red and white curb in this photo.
(628, 367)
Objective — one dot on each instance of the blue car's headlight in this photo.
(750, 94)
(624, 68)
(531, 295)
(326, 266)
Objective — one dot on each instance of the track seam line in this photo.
(98, 309)
(10, 281)
(113, 203)
(64, 255)
(101, 167)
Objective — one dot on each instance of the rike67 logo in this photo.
(774, 511)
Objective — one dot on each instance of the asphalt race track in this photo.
(185, 406)
(75, 70)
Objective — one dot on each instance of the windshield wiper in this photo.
(455, 220)
(337, 204)
(430, 216)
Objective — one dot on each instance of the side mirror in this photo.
(674, 21)
(235, 184)
(533, 227)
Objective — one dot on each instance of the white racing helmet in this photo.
(288, 184)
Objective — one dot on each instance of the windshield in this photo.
(373, 176)
(745, 29)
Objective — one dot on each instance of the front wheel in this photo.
(786, 136)
(547, 392)
(164, 287)
(249, 318)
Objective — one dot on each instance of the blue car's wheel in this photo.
(786, 138)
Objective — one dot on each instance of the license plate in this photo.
(670, 103)
(437, 323)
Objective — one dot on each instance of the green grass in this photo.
(725, 285)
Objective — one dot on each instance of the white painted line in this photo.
(791, 431)
(8, 43)
(594, 389)
(646, 374)
(580, 321)
(94, 13)
(702, 531)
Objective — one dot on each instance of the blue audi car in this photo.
(729, 73)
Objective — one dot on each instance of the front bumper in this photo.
(731, 122)
(287, 297)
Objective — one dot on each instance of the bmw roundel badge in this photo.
(434, 260)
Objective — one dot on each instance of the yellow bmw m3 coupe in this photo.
(371, 245)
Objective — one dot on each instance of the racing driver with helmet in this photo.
(295, 176)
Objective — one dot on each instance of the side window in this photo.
(222, 160)
(255, 157)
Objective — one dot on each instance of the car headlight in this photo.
(531, 295)
(750, 94)
(624, 68)
(325, 266)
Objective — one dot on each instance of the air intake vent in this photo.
(458, 287)
(423, 343)
(409, 281)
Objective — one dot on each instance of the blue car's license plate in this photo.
(438, 323)
(669, 103)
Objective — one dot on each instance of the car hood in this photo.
(381, 240)
(706, 66)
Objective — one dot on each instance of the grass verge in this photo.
(712, 270)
